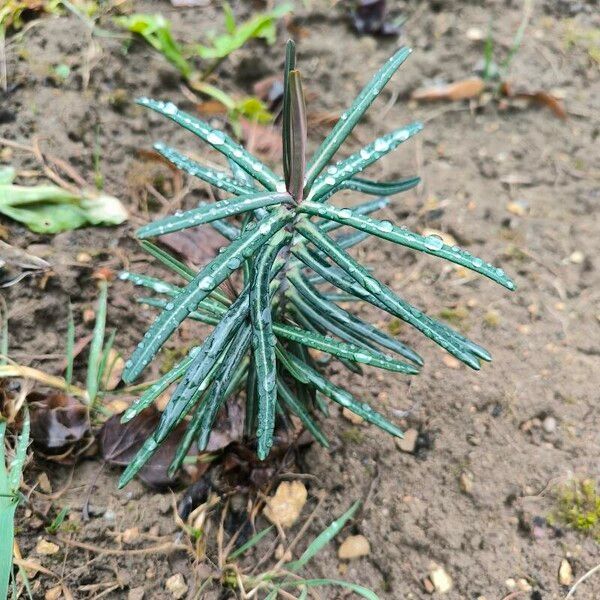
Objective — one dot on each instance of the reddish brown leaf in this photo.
(197, 245)
(459, 90)
(119, 443)
(211, 108)
(60, 425)
(539, 97)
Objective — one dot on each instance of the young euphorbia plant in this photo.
(285, 246)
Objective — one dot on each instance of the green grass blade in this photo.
(323, 539)
(251, 402)
(212, 212)
(168, 260)
(357, 162)
(253, 541)
(3, 332)
(199, 288)
(95, 355)
(105, 366)
(301, 411)
(384, 295)
(350, 118)
(432, 244)
(217, 139)
(70, 346)
(353, 587)
(218, 179)
(263, 343)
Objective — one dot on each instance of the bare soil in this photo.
(474, 161)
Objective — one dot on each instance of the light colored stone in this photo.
(285, 506)
(131, 535)
(577, 257)
(565, 572)
(352, 417)
(465, 481)
(136, 593)
(53, 593)
(510, 583)
(523, 585)
(409, 442)
(354, 546)
(442, 582)
(549, 424)
(46, 548)
(177, 586)
(44, 483)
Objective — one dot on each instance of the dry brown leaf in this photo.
(540, 97)
(459, 90)
(285, 506)
(114, 368)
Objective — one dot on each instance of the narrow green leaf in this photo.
(388, 188)
(297, 142)
(15, 470)
(384, 295)
(286, 128)
(218, 392)
(353, 587)
(212, 212)
(301, 412)
(263, 343)
(168, 260)
(344, 398)
(251, 401)
(432, 244)
(341, 349)
(240, 175)
(95, 356)
(217, 139)
(364, 208)
(350, 118)
(3, 332)
(199, 288)
(357, 162)
(359, 328)
(218, 179)
(323, 539)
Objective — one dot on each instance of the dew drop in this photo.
(365, 154)
(205, 283)
(434, 242)
(330, 180)
(216, 137)
(381, 145)
(124, 276)
(332, 170)
(345, 213)
(170, 108)
(264, 228)
(477, 262)
(386, 226)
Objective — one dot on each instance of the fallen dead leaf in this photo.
(114, 368)
(459, 90)
(540, 97)
(285, 506)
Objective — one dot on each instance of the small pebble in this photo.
(442, 582)
(577, 257)
(549, 424)
(177, 586)
(409, 442)
(136, 593)
(46, 548)
(354, 546)
(465, 481)
(352, 417)
(565, 572)
(523, 585)
(53, 593)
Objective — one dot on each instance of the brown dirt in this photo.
(544, 337)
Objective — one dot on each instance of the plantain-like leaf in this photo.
(219, 140)
(388, 231)
(299, 409)
(382, 293)
(350, 118)
(357, 162)
(199, 288)
(344, 398)
(263, 343)
(219, 179)
(207, 213)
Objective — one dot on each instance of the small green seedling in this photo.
(284, 250)
(10, 480)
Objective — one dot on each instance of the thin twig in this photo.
(581, 580)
